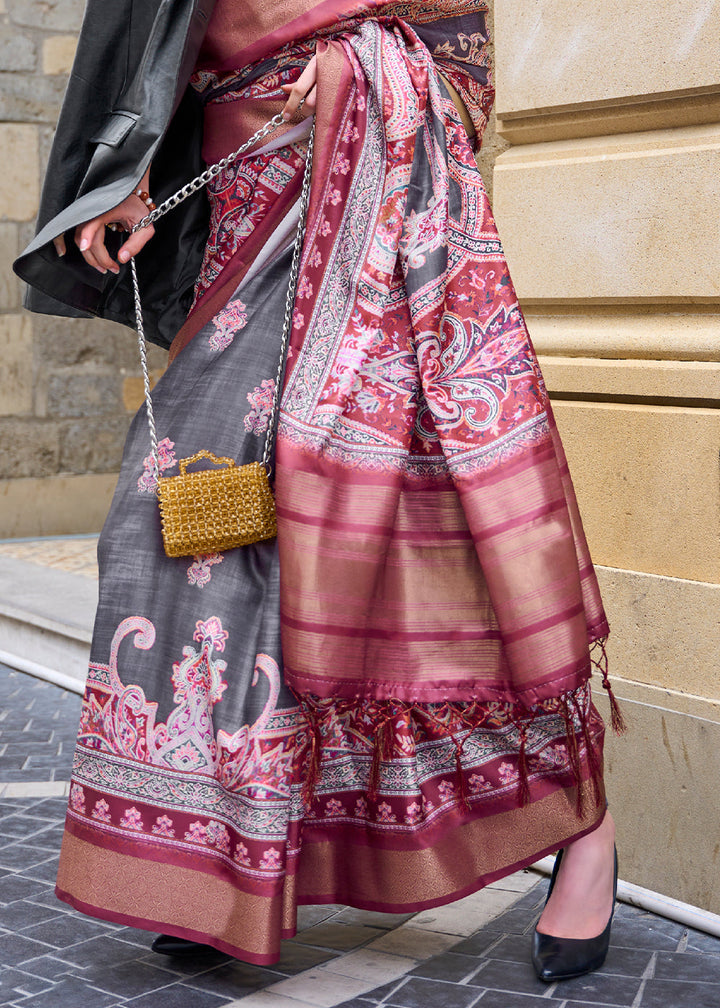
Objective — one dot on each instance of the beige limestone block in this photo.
(665, 633)
(551, 54)
(9, 283)
(59, 53)
(613, 219)
(20, 178)
(661, 780)
(646, 334)
(55, 505)
(133, 390)
(647, 482)
(16, 365)
(606, 118)
(670, 380)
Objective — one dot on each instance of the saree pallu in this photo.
(388, 706)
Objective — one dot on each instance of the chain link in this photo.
(155, 456)
(290, 297)
(200, 181)
(175, 200)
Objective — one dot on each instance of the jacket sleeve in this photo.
(109, 51)
(127, 105)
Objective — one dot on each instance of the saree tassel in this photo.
(619, 725)
(523, 775)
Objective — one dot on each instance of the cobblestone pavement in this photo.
(473, 953)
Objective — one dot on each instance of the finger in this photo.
(85, 234)
(84, 239)
(305, 83)
(90, 259)
(136, 242)
(310, 105)
(101, 254)
(59, 244)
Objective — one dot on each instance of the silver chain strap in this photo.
(200, 181)
(290, 296)
(175, 200)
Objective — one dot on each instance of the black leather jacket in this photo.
(127, 105)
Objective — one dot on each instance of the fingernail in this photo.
(84, 244)
(123, 257)
(286, 116)
(60, 252)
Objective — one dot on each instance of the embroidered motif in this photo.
(199, 572)
(261, 401)
(147, 483)
(228, 323)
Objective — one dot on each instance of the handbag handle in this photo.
(204, 454)
(175, 200)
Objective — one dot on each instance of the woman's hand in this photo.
(304, 87)
(90, 237)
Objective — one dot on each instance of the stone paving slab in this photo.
(473, 953)
(46, 619)
(72, 554)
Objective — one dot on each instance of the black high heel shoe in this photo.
(172, 946)
(564, 958)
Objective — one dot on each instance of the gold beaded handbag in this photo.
(216, 509)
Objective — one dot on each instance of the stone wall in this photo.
(607, 202)
(67, 388)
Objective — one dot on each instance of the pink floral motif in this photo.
(385, 814)
(77, 799)
(335, 197)
(507, 773)
(241, 854)
(196, 833)
(478, 783)
(413, 813)
(147, 483)
(298, 320)
(334, 808)
(325, 228)
(342, 164)
(132, 820)
(315, 259)
(199, 572)
(211, 633)
(361, 808)
(351, 134)
(101, 811)
(187, 757)
(218, 836)
(261, 401)
(271, 858)
(227, 323)
(446, 789)
(163, 826)
(305, 288)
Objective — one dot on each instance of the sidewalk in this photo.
(472, 953)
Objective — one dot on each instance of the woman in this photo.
(428, 726)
